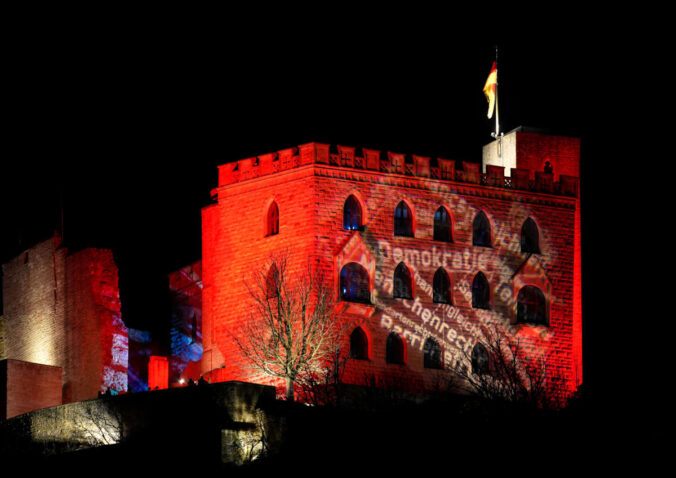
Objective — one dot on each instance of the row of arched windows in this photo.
(355, 287)
(353, 219)
(395, 351)
(443, 226)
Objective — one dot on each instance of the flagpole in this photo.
(497, 135)
(497, 103)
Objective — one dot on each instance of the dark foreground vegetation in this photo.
(446, 434)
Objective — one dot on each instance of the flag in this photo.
(489, 89)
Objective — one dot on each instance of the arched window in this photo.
(403, 220)
(431, 354)
(394, 349)
(402, 286)
(481, 295)
(531, 307)
(441, 289)
(359, 344)
(480, 364)
(481, 230)
(272, 223)
(443, 229)
(354, 283)
(352, 217)
(530, 237)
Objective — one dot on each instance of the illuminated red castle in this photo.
(426, 254)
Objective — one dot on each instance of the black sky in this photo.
(120, 125)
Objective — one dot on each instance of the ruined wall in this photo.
(33, 293)
(26, 386)
(97, 336)
(185, 290)
(63, 309)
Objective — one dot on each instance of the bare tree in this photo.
(291, 328)
(321, 384)
(501, 369)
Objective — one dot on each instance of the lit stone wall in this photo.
(63, 309)
(311, 184)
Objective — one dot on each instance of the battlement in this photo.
(387, 162)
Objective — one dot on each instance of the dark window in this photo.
(352, 217)
(530, 237)
(272, 225)
(193, 329)
(443, 230)
(359, 344)
(354, 284)
(441, 287)
(480, 365)
(481, 230)
(403, 220)
(432, 354)
(531, 307)
(271, 282)
(402, 286)
(481, 296)
(394, 349)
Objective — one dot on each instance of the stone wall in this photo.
(311, 188)
(62, 309)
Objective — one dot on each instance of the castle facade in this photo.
(430, 258)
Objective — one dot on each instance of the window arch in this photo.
(354, 283)
(480, 361)
(443, 226)
(272, 220)
(481, 230)
(352, 214)
(441, 287)
(432, 354)
(531, 306)
(394, 349)
(403, 220)
(481, 295)
(402, 283)
(530, 237)
(359, 344)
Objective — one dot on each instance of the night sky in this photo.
(116, 130)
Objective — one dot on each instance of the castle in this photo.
(425, 255)
(427, 259)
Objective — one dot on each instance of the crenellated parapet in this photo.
(387, 162)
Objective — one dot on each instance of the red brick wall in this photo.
(311, 200)
(25, 387)
(456, 327)
(235, 244)
(97, 337)
(563, 153)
